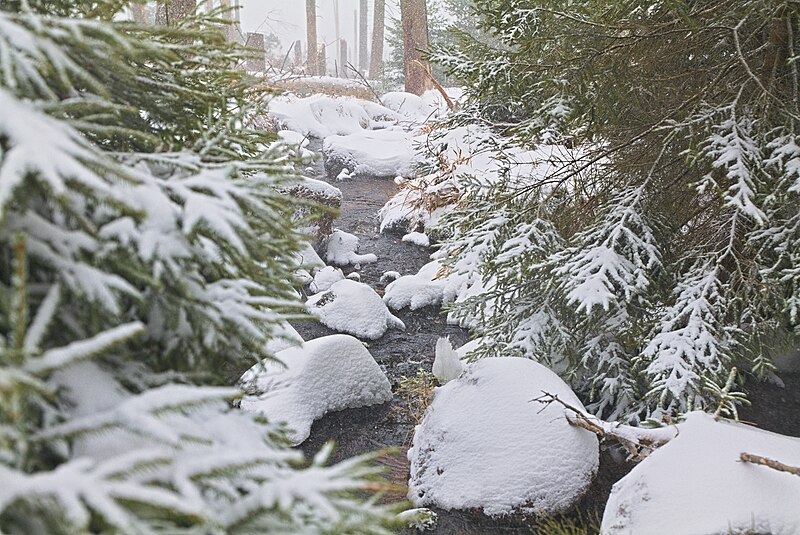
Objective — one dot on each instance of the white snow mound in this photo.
(325, 278)
(354, 308)
(323, 375)
(484, 445)
(417, 238)
(381, 153)
(696, 484)
(342, 250)
(447, 364)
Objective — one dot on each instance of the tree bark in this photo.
(378, 30)
(172, 12)
(311, 37)
(343, 59)
(363, 36)
(414, 20)
(139, 13)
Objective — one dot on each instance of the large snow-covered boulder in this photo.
(379, 153)
(697, 485)
(323, 375)
(484, 445)
(354, 308)
(341, 249)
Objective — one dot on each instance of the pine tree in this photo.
(671, 239)
(146, 262)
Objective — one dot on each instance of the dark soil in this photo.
(401, 354)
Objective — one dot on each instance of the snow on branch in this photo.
(691, 343)
(610, 264)
(639, 442)
(730, 147)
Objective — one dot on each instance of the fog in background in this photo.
(287, 20)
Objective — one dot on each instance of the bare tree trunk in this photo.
(139, 13)
(343, 58)
(378, 28)
(414, 20)
(231, 29)
(363, 36)
(298, 54)
(311, 37)
(172, 12)
(322, 60)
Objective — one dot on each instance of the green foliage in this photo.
(661, 248)
(146, 256)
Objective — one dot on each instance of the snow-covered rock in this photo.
(447, 363)
(484, 445)
(323, 375)
(696, 484)
(354, 308)
(380, 153)
(342, 250)
(325, 278)
(417, 291)
(390, 276)
(417, 238)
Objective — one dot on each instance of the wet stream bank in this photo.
(402, 353)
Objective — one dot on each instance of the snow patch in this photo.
(325, 278)
(698, 476)
(483, 445)
(327, 374)
(380, 153)
(417, 238)
(342, 250)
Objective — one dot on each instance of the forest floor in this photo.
(402, 353)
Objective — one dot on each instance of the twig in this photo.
(366, 83)
(638, 441)
(764, 461)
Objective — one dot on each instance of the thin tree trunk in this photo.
(414, 20)
(363, 36)
(343, 58)
(139, 13)
(378, 29)
(172, 12)
(311, 37)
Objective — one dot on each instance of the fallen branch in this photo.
(427, 69)
(365, 82)
(638, 441)
(764, 461)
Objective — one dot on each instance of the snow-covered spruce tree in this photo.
(666, 251)
(141, 226)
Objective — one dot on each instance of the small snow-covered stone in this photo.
(484, 445)
(344, 174)
(417, 238)
(354, 308)
(696, 484)
(354, 276)
(389, 276)
(325, 278)
(447, 363)
(416, 291)
(323, 375)
(342, 250)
